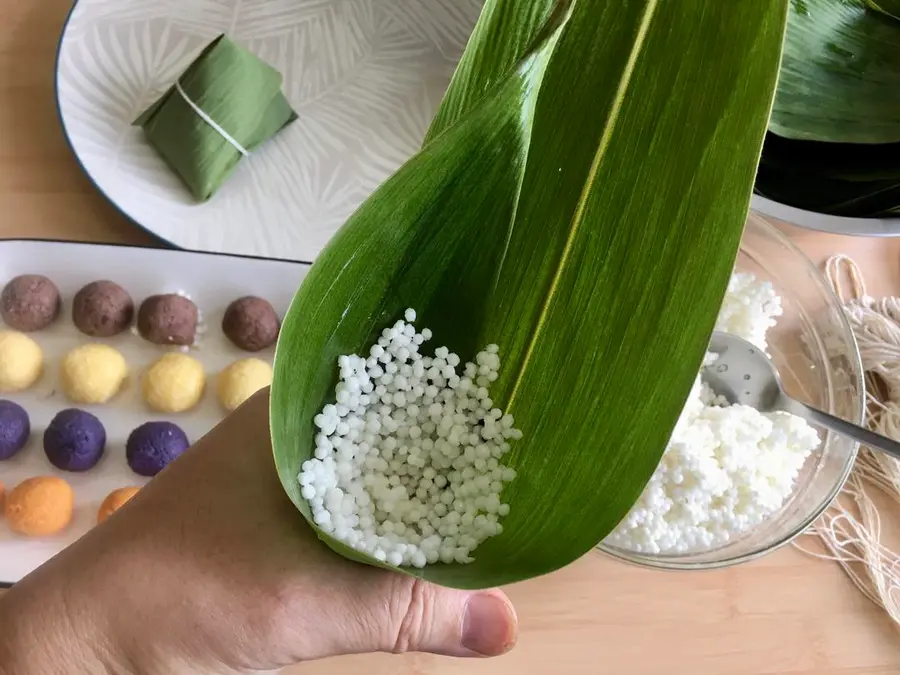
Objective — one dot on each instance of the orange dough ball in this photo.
(2, 494)
(114, 501)
(40, 506)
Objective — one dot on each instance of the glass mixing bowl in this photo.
(829, 379)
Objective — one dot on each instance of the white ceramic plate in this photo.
(365, 77)
(212, 281)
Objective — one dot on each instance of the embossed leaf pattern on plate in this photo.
(365, 77)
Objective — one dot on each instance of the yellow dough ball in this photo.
(21, 361)
(173, 383)
(92, 373)
(240, 380)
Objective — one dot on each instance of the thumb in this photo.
(397, 613)
(424, 617)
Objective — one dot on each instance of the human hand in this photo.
(210, 569)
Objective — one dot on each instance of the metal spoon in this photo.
(744, 374)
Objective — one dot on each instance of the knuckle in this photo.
(411, 611)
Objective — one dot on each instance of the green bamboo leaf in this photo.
(505, 32)
(861, 181)
(840, 75)
(846, 161)
(889, 7)
(583, 212)
(843, 179)
(857, 199)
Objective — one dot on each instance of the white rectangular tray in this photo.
(212, 281)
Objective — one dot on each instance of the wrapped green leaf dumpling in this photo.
(226, 104)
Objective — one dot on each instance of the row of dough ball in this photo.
(43, 506)
(75, 440)
(31, 302)
(94, 373)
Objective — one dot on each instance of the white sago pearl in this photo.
(726, 468)
(417, 460)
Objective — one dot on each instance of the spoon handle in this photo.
(837, 425)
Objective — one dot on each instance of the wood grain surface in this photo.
(784, 614)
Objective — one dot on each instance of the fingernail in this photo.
(489, 626)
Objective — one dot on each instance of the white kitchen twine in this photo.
(210, 121)
(851, 528)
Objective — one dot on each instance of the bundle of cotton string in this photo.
(851, 528)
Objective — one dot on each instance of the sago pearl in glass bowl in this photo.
(741, 484)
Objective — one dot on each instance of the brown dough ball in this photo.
(29, 302)
(102, 309)
(168, 319)
(251, 323)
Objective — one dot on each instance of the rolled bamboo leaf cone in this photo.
(240, 92)
(574, 183)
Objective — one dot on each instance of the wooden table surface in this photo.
(784, 614)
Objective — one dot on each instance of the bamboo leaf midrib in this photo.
(578, 217)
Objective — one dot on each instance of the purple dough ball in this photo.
(15, 428)
(153, 445)
(74, 440)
